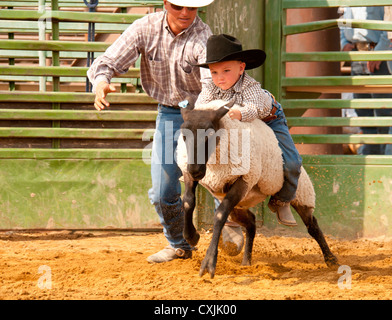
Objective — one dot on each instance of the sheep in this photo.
(238, 181)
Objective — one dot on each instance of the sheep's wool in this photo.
(249, 150)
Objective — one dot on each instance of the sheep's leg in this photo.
(232, 198)
(189, 202)
(246, 219)
(306, 214)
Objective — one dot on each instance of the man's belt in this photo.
(365, 46)
(174, 107)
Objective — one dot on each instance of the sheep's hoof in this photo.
(208, 266)
(332, 262)
(194, 239)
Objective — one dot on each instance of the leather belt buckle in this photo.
(272, 114)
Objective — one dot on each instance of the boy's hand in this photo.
(103, 88)
(235, 114)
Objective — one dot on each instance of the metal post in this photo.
(91, 37)
(55, 63)
(41, 36)
(11, 61)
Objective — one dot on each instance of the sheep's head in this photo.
(199, 133)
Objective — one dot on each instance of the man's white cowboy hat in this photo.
(191, 3)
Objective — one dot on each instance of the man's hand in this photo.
(373, 65)
(103, 88)
(349, 47)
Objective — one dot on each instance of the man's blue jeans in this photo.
(165, 193)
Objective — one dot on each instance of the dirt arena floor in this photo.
(112, 265)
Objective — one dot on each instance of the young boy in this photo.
(227, 63)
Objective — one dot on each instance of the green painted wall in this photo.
(243, 19)
(352, 199)
(75, 194)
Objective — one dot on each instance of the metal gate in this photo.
(354, 192)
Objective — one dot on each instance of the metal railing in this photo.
(300, 93)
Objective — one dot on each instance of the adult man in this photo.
(367, 40)
(169, 43)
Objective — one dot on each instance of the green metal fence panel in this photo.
(294, 92)
(64, 164)
(352, 190)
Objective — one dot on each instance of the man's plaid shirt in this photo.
(248, 93)
(166, 70)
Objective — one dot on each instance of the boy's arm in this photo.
(256, 103)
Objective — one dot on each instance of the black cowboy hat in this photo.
(223, 47)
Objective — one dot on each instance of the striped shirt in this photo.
(248, 93)
(166, 70)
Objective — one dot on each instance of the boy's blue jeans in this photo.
(165, 193)
(292, 161)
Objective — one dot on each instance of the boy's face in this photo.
(225, 74)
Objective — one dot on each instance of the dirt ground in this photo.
(111, 265)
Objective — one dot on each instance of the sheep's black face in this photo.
(200, 143)
(199, 132)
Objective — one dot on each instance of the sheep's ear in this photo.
(186, 106)
(223, 110)
(230, 103)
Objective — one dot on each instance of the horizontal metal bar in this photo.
(35, 54)
(58, 71)
(102, 3)
(54, 45)
(88, 154)
(336, 56)
(72, 133)
(77, 115)
(9, 14)
(287, 4)
(337, 81)
(74, 97)
(113, 154)
(383, 89)
(62, 2)
(340, 121)
(7, 26)
(342, 138)
(64, 79)
(335, 23)
(336, 103)
(349, 160)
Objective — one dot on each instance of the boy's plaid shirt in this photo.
(248, 93)
(166, 70)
